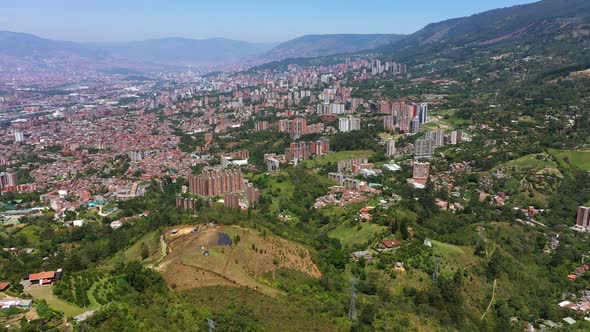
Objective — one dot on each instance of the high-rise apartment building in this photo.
(423, 148)
(583, 219)
(347, 166)
(456, 137)
(437, 137)
(262, 125)
(252, 195)
(215, 183)
(389, 148)
(231, 200)
(296, 126)
(415, 125)
(8, 180)
(421, 171)
(423, 112)
(19, 137)
(303, 150)
(349, 124)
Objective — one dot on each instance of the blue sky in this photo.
(250, 20)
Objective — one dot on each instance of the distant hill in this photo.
(530, 23)
(323, 45)
(15, 44)
(184, 51)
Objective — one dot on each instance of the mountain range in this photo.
(544, 20)
(32, 51)
(324, 45)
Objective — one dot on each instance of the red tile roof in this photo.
(42, 275)
(4, 285)
(391, 243)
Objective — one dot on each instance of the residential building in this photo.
(415, 125)
(272, 165)
(423, 148)
(423, 112)
(215, 183)
(390, 148)
(19, 137)
(349, 124)
(252, 195)
(583, 218)
(421, 171)
(456, 137)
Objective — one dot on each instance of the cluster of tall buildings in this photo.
(352, 165)
(349, 124)
(332, 108)
(188, 203)
(216, 183)
(424, 147)
(348, 182)
(262, 125)
(404, 117)
(8, 182)
(299, 126)
(241, 200)
(378, 67)
(305, 149)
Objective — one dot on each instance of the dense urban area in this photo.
(409, 188)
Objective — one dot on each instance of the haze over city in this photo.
(254, 21)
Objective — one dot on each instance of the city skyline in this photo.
(276, 22)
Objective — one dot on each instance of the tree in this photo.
(145, 251)
(404, 230)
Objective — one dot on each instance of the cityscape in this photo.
(429, 180)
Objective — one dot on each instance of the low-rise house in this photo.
(4, 286)
(45, 277)
(19, 303)
(390, 244)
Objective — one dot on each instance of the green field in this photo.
(273, 314)
(351, 235)
(31, 232)
(455, 256)
(578, 158)
(133, 253)
(46, 293)
(528, 162)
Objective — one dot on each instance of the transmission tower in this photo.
(352, 305)
(211, 324)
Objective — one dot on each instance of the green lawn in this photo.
(578, 158)
(351, 235)
(31, 232)
(133, 253)
(528, 162)
(46, 293)
(455, 257)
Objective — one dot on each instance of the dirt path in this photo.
(491, 300)
(164, 248)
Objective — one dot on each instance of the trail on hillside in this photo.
(491, 300)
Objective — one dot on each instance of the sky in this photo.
(248, 20)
